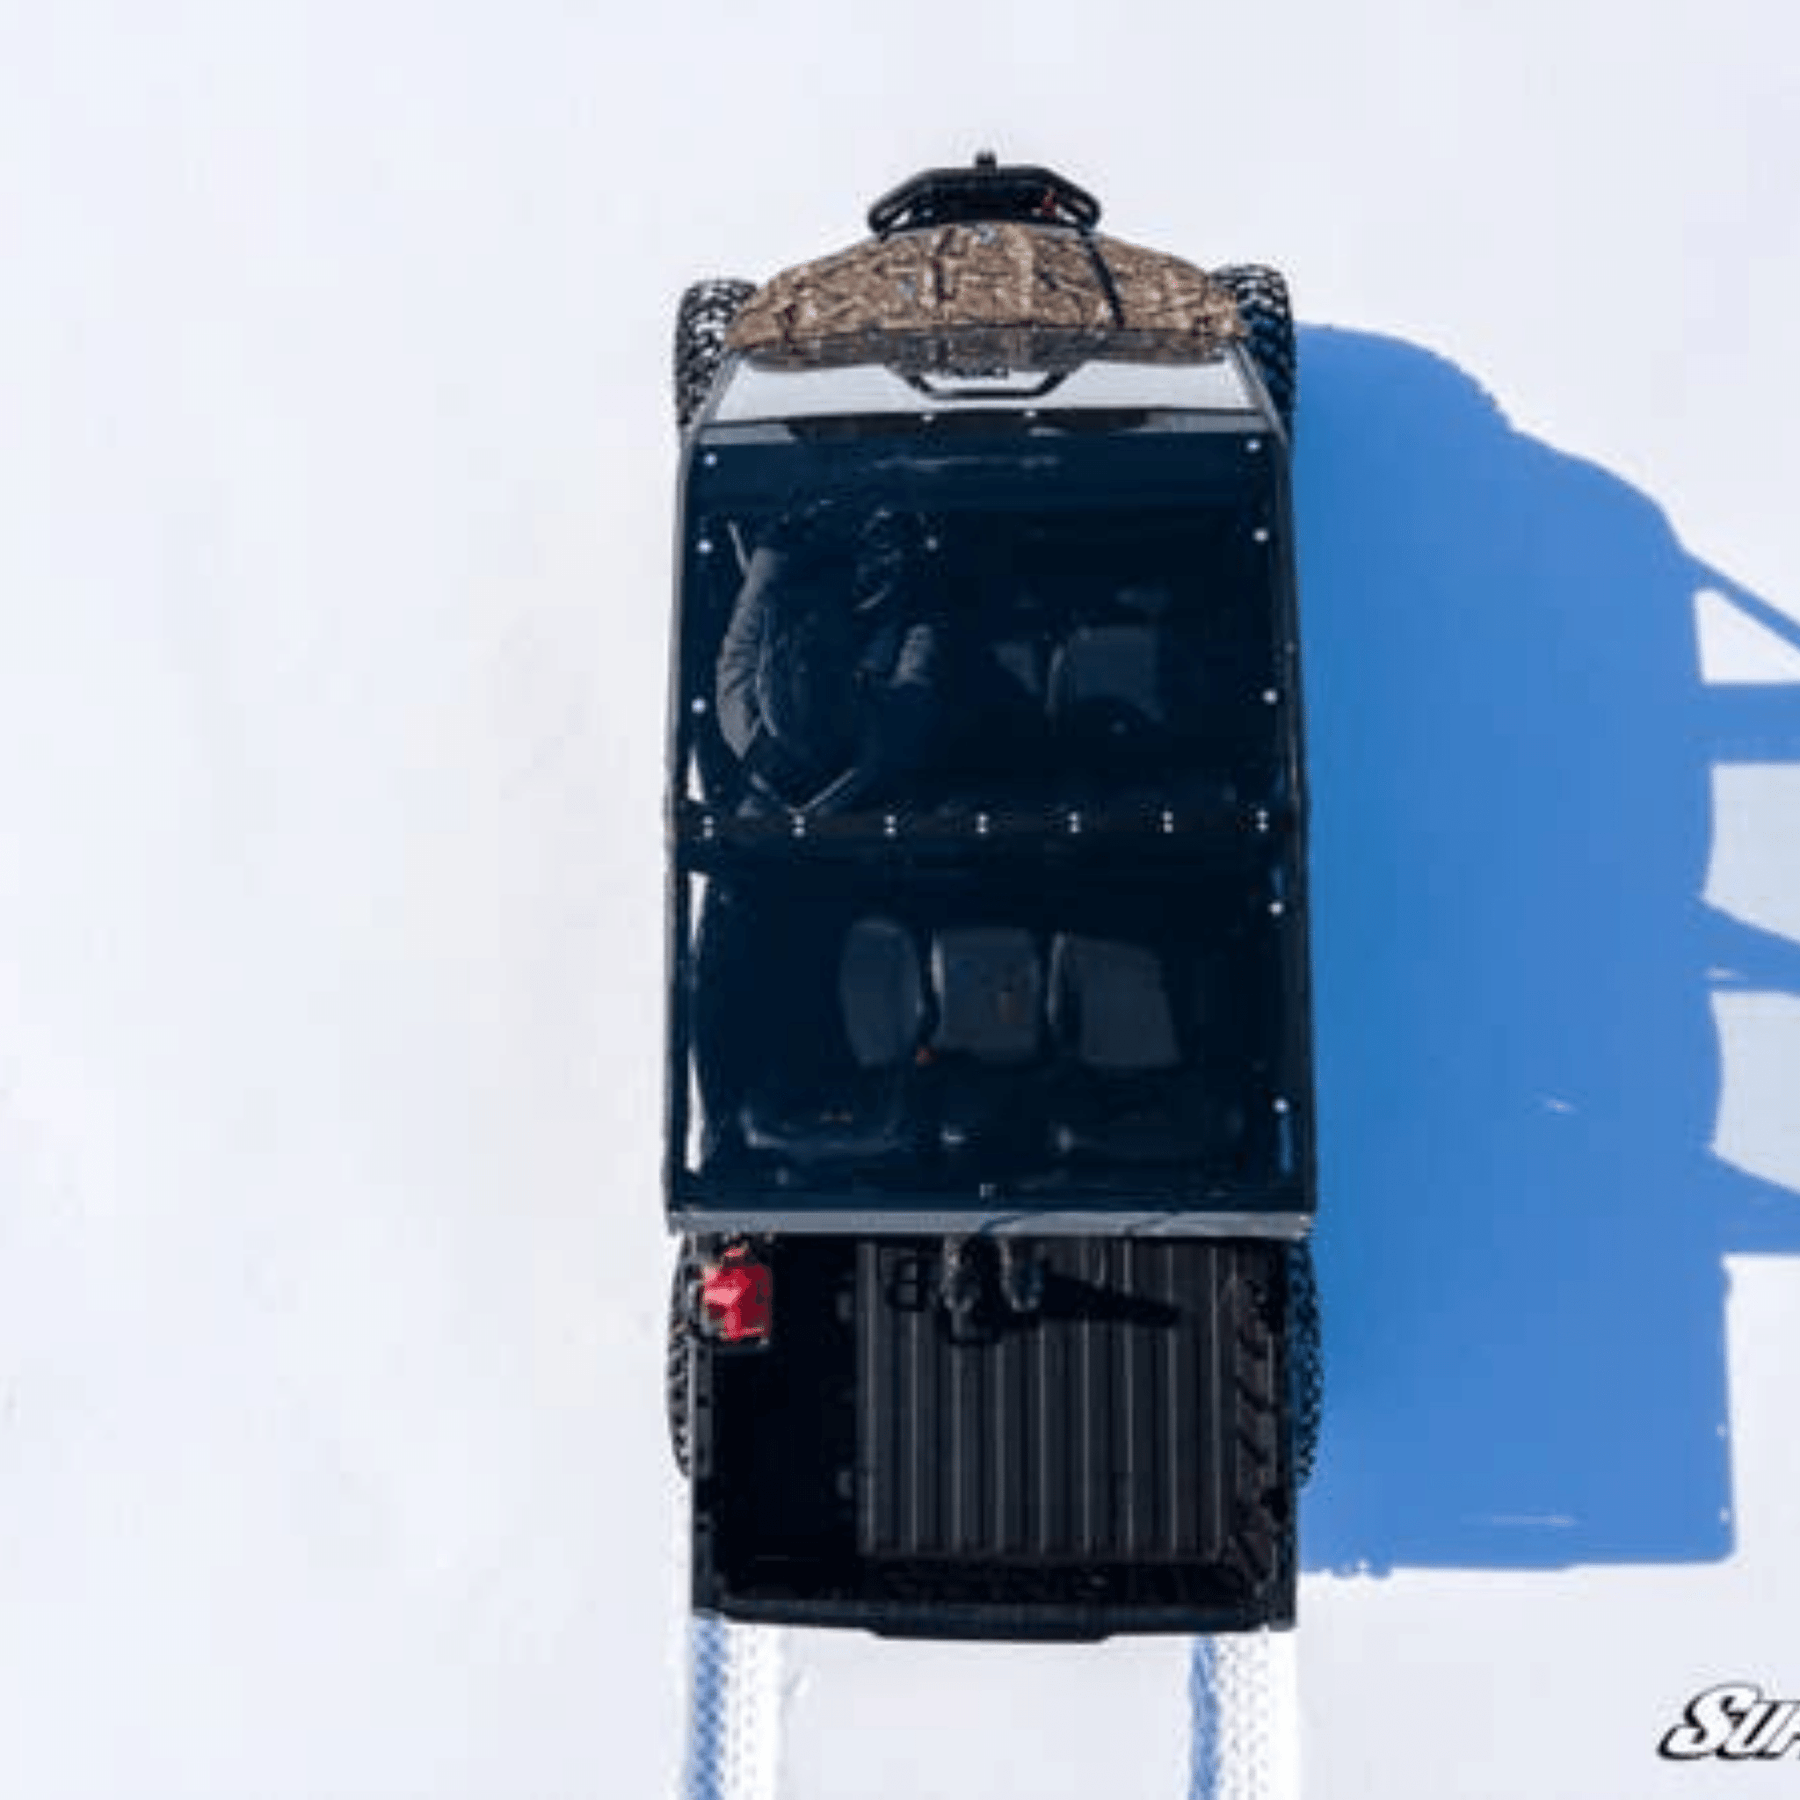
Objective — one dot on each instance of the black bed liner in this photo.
(1116, 1460)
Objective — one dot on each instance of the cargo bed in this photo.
(1116, 1458)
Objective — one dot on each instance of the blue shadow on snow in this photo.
(1522, 1221)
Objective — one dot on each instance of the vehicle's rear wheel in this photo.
(1262, 302)
(678, 1379)
(1306, 1358)
(702, 318)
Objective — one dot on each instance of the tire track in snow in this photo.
(1243, 1696)
(734, 1711)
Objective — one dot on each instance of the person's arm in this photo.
(741, 653)
(899, 714)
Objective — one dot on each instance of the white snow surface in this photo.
(336, 467)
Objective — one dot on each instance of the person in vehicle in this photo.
(828, 684)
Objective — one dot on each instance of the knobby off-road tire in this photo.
(1253, 1427)
(678, 1370)
(1262, 302)
(702, 319)
(1306, 1359)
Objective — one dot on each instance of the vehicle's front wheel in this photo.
(702, 318)
(1262, 301)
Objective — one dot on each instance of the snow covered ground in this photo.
(335, 456)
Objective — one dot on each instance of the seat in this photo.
(987, 1045)
(1148, 714)
(1124, 1091)
(1109, 1005)
(845, 1097)
(880, 993)
(989, 988)
(1107, 694)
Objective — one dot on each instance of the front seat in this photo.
(1144, 712)
(1107, 692)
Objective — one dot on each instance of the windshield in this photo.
(756, 391)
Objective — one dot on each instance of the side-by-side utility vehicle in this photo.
(990, 1123)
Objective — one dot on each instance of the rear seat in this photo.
(989, 1047)
(988, 983)
(1125, 1091)
(993, 1054)
(942, 1044)
(853, 1102)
